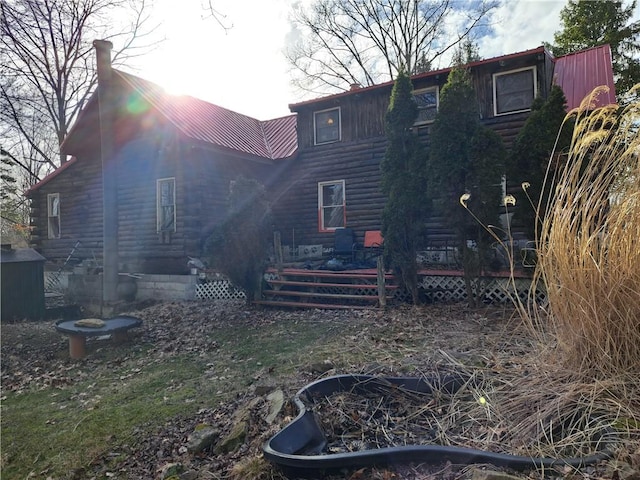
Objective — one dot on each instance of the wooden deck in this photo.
(356, 289)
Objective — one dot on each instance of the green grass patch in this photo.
(280, 346)
(58, 430)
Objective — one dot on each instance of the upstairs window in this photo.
(326, 126)
(514, 91)
(53, 215)
(331, 205)
(166, 204)
(427, 101)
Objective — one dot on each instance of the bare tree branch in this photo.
(47, 59)
(342, 42)
(214, 13)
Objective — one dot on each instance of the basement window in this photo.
(166, 204)
(514, 91)
(427, 101)
(53, 215)
(326, 126)
(331, 205)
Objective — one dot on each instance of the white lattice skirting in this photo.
(441, 288)
(218, 290)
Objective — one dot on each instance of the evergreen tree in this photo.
(588, 24)
(466, 52)
(238, 246)
(450, 148)
(465, 157)
(532, 151)
(404, 183)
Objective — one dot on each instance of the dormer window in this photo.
(514, 91)
(427, 101)
(327, 127)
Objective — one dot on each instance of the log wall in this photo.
(202, 185)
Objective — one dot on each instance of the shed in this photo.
(22, 283)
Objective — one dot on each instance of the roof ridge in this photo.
(267, 143)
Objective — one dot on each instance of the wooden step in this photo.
(329, 274)
(327, 306)
(323, 284)
(337, 296)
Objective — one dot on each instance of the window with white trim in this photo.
(53, 215)
(166, 204)
(427, 101)
(331, 205)
(326, 126)
(514, 91)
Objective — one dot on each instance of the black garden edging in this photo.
(299, 447)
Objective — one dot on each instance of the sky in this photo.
(243, 67)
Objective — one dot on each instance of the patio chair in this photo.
(344, 243)
(373, 243)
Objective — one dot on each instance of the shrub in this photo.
(404, 180)
(465, 157)
(238, 247)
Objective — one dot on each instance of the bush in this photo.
(404, 178)
(238, 247)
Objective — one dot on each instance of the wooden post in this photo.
(277, 248)
(382, 290)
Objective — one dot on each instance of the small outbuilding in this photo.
(22, 283)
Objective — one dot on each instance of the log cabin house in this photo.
(175, 156)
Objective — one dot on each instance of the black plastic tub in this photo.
(300, 448)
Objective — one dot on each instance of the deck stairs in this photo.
(350, 289)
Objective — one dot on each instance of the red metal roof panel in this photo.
(51, 176)
(219, 126)
(281, 136)
(580, 72)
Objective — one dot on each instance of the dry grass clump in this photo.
(541, 415)
(589, 244)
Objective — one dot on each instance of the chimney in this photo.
(106, 101)
(354, 86)
(103, 55)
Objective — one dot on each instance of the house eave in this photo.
(296, 107)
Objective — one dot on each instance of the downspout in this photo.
(109, 173)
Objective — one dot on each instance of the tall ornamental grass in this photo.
(589, 242)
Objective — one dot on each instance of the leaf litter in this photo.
(520, 402)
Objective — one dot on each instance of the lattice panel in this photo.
(452, 289)
(218, 290)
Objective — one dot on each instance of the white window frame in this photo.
(160, 206)
(53, 215)
(436, 89)
(495, 89)
(322, 206)
(315, 126)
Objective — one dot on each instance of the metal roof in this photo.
(432, 73)
(580, 72)
(200, 120)
(51, 176)
(19, 255)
